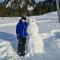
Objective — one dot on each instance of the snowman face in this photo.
(32, 20)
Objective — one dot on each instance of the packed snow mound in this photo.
(48, 17)
(7, 52)
(53, 41)
(56, 40)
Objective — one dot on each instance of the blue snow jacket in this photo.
(21, 29)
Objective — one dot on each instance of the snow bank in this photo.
(52, 44)
(5, 20)
(8, 24)
(51, 16)
(7, 52)
(55, 38)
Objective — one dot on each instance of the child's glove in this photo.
(18, 36)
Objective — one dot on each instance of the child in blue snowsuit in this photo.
(21, 31)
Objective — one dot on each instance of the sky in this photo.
(35, 0)
(2, 1)
(39, 0)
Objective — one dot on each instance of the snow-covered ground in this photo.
(49, 33)
(49, 17)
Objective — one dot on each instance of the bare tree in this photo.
(58, 9)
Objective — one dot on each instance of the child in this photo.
(21, 31)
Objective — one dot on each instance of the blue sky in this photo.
(2, 1)
(35, 0)
(39, 0)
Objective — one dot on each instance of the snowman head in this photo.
(33, 26)
(32, 20)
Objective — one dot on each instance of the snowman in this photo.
(36, 44)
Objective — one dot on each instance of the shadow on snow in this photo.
(9, 37)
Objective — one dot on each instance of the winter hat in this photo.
(23, 17)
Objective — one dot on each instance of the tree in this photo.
(58, 9)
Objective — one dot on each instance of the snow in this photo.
(6, 51)
(38, 1)
(30, 8)
(49, 17)
(35, 36)
(52, 43)
(44, 41)
(9, 3)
